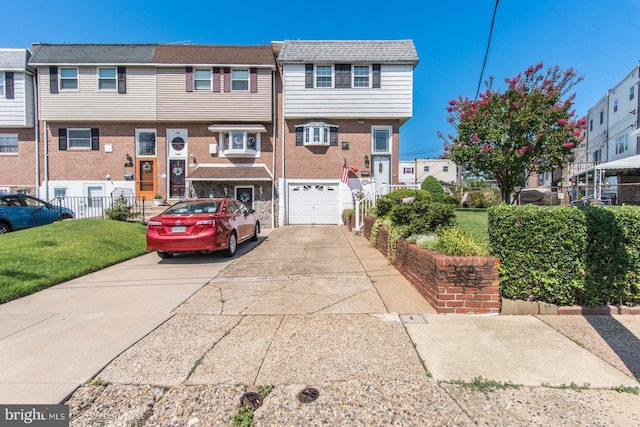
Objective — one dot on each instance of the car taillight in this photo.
(211, 222)
(154, 223)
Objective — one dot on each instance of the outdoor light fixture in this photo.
(193, 159)
(366, 161)
(129, 161)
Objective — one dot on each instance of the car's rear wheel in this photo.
(4, 227)
(164, 255)
(232, 246)
(256, 231)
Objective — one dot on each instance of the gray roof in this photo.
(378, 51)
(14, 59)
(44, 54)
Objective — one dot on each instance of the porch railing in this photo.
(96, 206)
(367, 200)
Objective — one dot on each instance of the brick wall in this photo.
(452, 285)
(17, 170)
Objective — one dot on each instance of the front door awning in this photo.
(230, 173)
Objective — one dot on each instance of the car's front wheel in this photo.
(232, 246)
(256, 231)
(164, 255)
(4, 227)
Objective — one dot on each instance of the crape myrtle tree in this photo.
(530, 127)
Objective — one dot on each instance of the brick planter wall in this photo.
(455, 285)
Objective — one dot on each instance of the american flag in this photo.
(345, 172)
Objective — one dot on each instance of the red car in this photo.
(202, 225)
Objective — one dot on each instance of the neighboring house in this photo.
(175, 120)
(407, 172)
(609, 162)
(445, 170)
(17, 122)
(342, 102)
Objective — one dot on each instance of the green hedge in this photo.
(567, 255)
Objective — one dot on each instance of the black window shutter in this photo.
(53, 80)
(343, 75)
(299, 136)
(216, 79)
(95, 139)
(62, 139)
(122, 79)
(308, 76)
(253, 80)
(376, 75)
(8, 81)
(189, 78)
(333, 136)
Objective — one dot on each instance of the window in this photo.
(146, 142)
(622, 144)
(426, 169)
(8, 143)
(59, 192)
(107, 79)
(361, 76)
(601, 117)
(407, 170)
(540, 179)
(597, 156)
(202, 79)
(68, 78)
(240, 80)
(324, 76)
(2, 85)
(79, 138)
(615, 105)
(632, 92)
(445, 169)
(591, 125)
(317, 133)
(381, 140)
(240, 141)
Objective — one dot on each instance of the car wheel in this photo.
(232, 246)
(4, 227)
(256, 231)
(165, 255)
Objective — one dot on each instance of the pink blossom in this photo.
(562, 121)
(568, 145)
(538, 135)
(475, 138)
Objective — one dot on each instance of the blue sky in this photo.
(600, 39)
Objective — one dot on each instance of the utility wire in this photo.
(486, 54)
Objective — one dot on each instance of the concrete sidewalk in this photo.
(179, 341)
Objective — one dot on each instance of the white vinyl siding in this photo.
(90, 104)
(176, 104)
(392, 100)
(18, 112)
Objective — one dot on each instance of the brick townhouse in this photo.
(270, 125)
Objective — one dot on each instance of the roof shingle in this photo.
(378, 51)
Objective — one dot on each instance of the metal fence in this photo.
(581, 195)
(98, 207)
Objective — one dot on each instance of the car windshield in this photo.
(194, 207)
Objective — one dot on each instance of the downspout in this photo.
(283, 194)
(36, 118)
(274, 93)
(46, 160)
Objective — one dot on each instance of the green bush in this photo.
(422, 216)
(385, 203)
(433, 186)
(567, 255)
(456, 242)
(120, 210)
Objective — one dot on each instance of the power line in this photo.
(486, 54)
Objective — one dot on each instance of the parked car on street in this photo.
(18, 211)
(202, 225)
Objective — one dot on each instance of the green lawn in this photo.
(39, 257)
(475, 222)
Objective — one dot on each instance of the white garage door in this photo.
(313, 203)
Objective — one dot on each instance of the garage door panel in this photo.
(313, 203)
